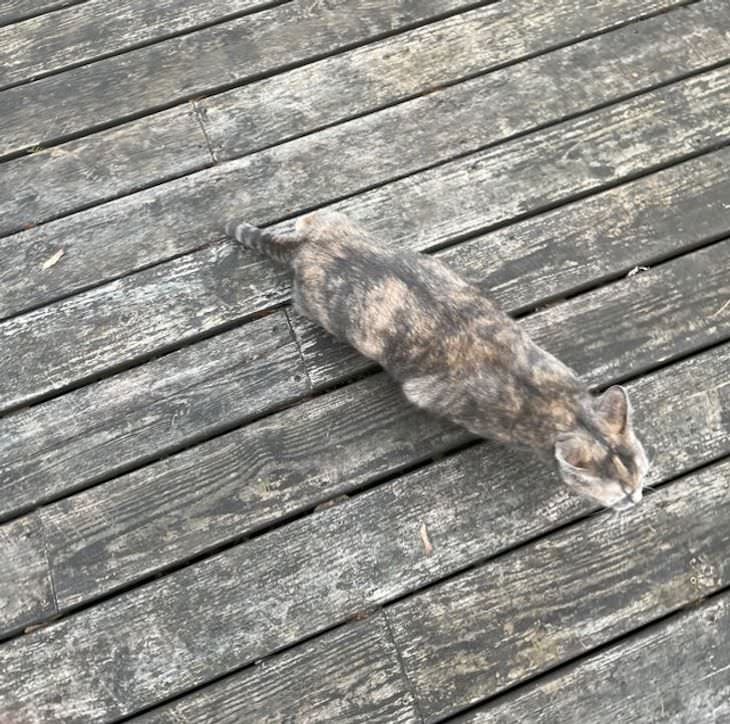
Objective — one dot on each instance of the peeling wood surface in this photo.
(301, 100)
(204, 510)
(637, 680)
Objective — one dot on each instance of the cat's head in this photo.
(604, 460)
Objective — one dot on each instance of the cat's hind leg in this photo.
(279, 247)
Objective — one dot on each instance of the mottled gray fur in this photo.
(455, 353)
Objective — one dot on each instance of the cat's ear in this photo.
(571, 452)
(614, 409)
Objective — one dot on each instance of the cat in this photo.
(455, 353)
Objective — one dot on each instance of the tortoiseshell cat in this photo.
(455, 353)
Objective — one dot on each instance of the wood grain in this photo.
(181, 68)
(113, 324)
(209, 495)
(13, 11)
(350, 675)
(82, 33)
(515, 617)
(128, 320)
(26, 591)
(262, 113)
(677, 671)
(574, 157)
(65, 178)
(146, 412)
(548, 254)
(224, 612)
(425, 59)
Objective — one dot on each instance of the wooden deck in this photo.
(209, 510)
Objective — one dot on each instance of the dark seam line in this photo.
(144, 43)
(52, 9)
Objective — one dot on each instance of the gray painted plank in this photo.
(26, 591)
(510, 619)
(180, 68)
(153, 642)
(520, 264)
(131, 527)
(678, 671)
(97, 431)
(350, 675)
(56, 181)
(113, 323)
(635, 56)
(179, 216)
(12, 11)
(82, 33)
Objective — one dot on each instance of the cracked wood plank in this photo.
(543, 604)
(55, 181)
(26, 591)
(148, 78)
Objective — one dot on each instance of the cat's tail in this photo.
(279, 247)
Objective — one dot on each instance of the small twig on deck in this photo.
(427, 547)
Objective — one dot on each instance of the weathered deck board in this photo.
(350, 675)
(181, 68)
(197, 623)
(616, 63)
(677, 671)
(82, 33)
(26, 591)
(515, 617)
(13, 11)
(97, 431)
(56, 181)
(630, 58)
(111, 324)
(117, 533)
(582, 153)
(621, 228)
